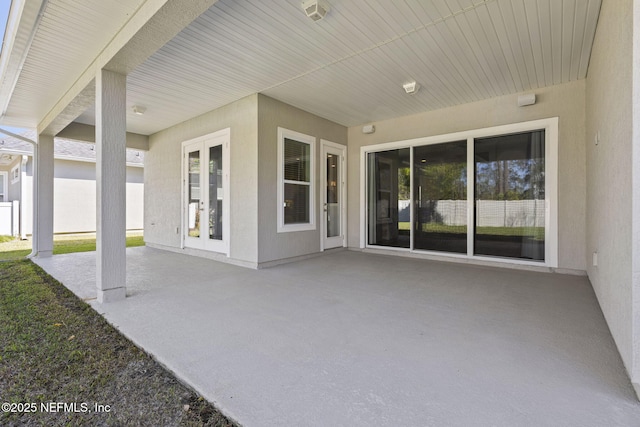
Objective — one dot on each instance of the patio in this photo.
(350, 338)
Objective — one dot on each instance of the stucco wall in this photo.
(274, 114)
(564, 101)
(74, 192)
(163, 177)
(609, 176)
(74, 186)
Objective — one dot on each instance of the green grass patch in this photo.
(536, 233)
(88, 245)
(14, 255)
(67, 246)
(56, 348)
(4, 239)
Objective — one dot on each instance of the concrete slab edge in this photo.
(167, 366)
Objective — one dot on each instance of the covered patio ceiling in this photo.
(348, 67)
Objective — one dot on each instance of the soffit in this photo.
(69, 35)
(350, 66)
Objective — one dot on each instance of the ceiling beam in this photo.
(87, 133)
(151, 27)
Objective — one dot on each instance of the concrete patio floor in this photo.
(355, 339)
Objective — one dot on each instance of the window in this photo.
(4, 186)
(15, 174)
(295, 181)
(485, 194)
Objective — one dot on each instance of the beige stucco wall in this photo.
(163, 177)
(609, 178)
(563, 101)
(274, 114)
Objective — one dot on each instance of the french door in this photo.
(206, 192)
(333, 195)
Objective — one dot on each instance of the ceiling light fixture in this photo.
(411, 87)
(138, 110)
(315, 9)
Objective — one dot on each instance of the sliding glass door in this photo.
(476, 196)
(440, 194)
(390, 198)
(509, 196)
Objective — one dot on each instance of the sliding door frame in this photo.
(550, 126)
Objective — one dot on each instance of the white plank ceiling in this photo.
(68, 38)
(350, 66)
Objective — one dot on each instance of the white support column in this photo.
(43, 197)
(111, 185)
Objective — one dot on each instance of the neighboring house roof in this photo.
(67, 149)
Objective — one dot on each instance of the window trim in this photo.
(549, 125)
(311, 141)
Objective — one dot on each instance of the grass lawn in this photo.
(11, 249)
(533, 232)
(55, 349)
(4, 239)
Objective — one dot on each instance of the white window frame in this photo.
(311, 141)
(550, 126)
(15, 174)
(5, 186)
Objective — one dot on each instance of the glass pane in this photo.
(440, 188)
(389, 207)
(296, 161)
(333, 196)
(296, 204)
(215, 192)
(194, 194)
(509, 193)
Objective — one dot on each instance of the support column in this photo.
(43, 197)
(111, 185)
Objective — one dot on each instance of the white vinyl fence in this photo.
(490, 213)
(10, 218)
